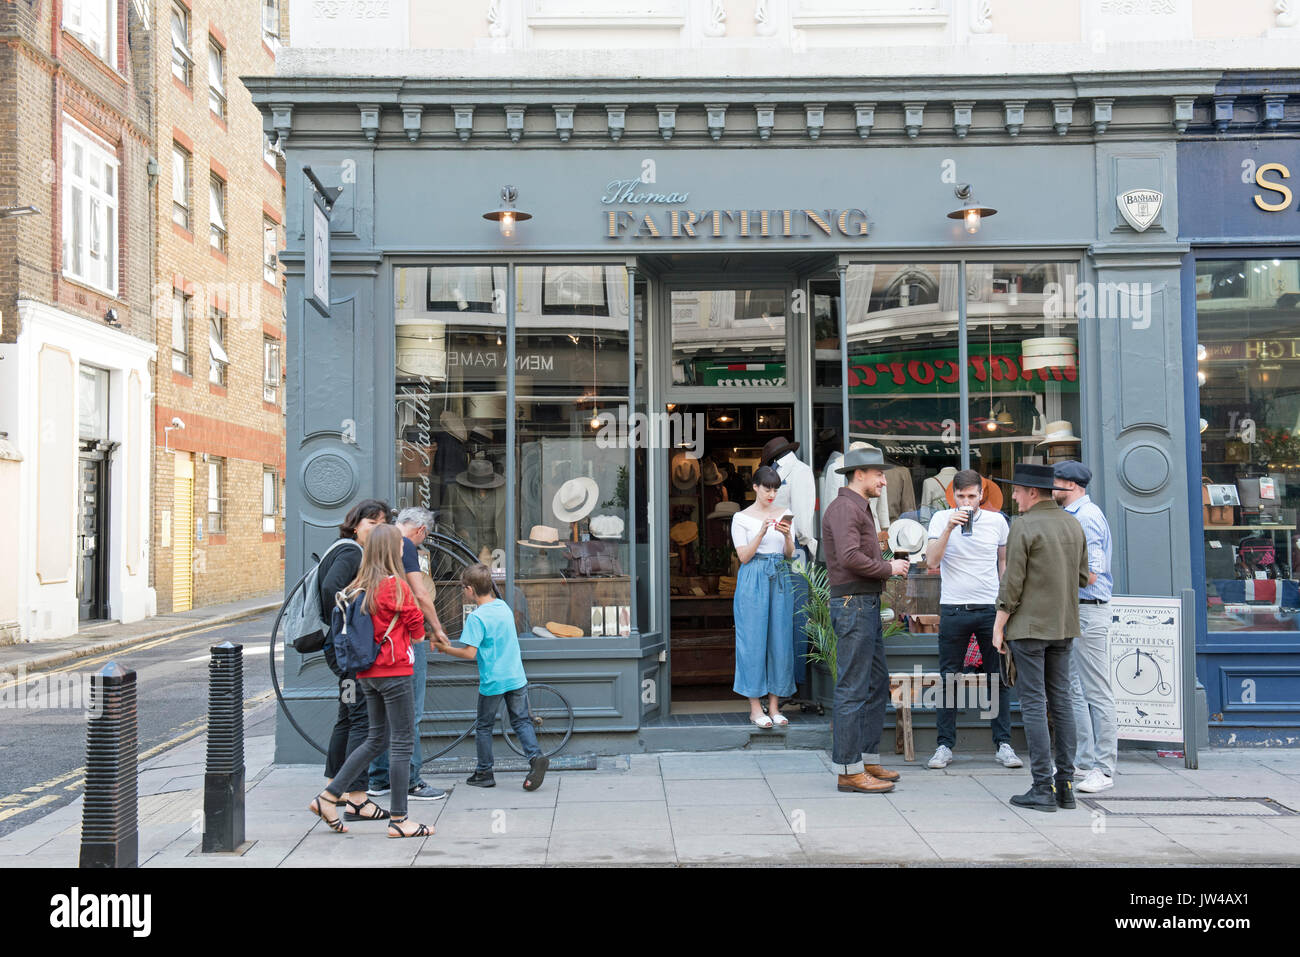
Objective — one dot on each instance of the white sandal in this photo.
(779, 719)
(762, 721)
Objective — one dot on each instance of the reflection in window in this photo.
(1248, 368)
(729, 337)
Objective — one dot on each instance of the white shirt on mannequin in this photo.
(798, 493)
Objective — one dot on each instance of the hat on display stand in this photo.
(683, 533)
(1058, 432)
(725, 510)
(480, 474)
(777, 448)
(907, 536)
(576, 499)
(606, 526)
(542, 536)
(711, 474)
(561, 630)
(453, 424)
(685, 472)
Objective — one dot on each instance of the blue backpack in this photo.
(352, 632)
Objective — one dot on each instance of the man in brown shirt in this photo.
(857, 574)
(1038, 613)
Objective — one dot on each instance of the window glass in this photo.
(270, 370)
(89, 212)
(729, 337)
(217, 214)
(574, 500)
(270, 486)
(92, 403)
(216, 495)
(182, 62)
(1248, 368)
(180, 187)
(216, 79)
(181, 332)
(218, 360)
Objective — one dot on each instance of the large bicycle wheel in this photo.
(552, 717)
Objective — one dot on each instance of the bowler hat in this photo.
(1072, 471)
(1030, 475)
(862, 459)
(776, 448)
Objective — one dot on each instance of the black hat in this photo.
(775, 448)
(862, 459)
(1033, 476)
(1072, 471)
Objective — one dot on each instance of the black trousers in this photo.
(351, 725)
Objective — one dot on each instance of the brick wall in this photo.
(230, 421)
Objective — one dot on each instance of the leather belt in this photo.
(1094, 601)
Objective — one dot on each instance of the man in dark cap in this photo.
(857, 573)
(1097, 747)
(1038, 615)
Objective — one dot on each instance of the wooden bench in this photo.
(899, 683)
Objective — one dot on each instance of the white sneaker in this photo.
(942, 757)
(1007, 756)
(1095, 781)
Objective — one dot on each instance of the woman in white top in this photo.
(764, 603)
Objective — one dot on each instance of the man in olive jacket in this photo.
(1038, 613)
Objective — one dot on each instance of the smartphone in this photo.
(787, 518)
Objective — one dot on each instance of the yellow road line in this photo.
(11, 812)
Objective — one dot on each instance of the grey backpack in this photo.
(303, 627)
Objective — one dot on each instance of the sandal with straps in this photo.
(421, 830)
(379, 814)
(317, 807)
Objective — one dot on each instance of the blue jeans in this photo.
(520, 720)
(379, 766)
(956, 624)
(764, 613)
(862, 687)
(799, 598)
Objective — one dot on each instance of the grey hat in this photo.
(1072, 471)
(862, 459)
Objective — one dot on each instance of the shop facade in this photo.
(1241, 288)
(579, 400)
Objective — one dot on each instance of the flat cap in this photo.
(1072, 471)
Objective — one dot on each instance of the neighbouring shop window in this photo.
(729, 338)
(216, 494)
(218, 360)
(89, 211)
(1023, 371)
(270, 496)
(180, 187)
(574, 497)
(182, 60)
(181, 307)
(1248, 369)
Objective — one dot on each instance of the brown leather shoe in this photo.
(879, 771)
(863, 784)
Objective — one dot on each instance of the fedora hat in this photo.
(606, 526)
(454, 424)
(542, 536)
(724, 510)
(907, 536)
(775, 448)
(991, 493)
(1058, 432)
(480, 474)
(862, 459)
(1031, 475)
(576, 499)
(560, 630)
(685, 471)
(711, 474)
(683, 533)
(541, 632)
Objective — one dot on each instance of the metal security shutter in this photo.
(183, 535)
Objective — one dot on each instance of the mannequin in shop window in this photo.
(797, 495)
(476, 507)
(449, 457)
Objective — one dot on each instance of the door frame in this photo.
(96, 451)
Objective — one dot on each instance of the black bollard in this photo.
(223, 783)
(109, 823)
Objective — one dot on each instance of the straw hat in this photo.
(607, 526)
(542, 536)
(907, 535)
(685, 471)
(724, 510)
(1058, 432)
(683, 533)
(576, 499)
(560, 630)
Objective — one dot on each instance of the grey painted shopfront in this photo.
(658, 207)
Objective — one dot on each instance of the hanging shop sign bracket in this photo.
(317, 279)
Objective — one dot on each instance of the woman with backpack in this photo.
(337, 568)
(397, 623)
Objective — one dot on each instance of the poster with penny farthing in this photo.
(1146, 651)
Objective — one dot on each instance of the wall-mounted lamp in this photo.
(507, 215)
(971, 212)
(7, 211)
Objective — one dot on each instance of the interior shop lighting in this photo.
(507, 216)
(971, 212)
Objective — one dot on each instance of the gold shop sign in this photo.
(735, 223)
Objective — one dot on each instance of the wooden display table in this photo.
(570, 600)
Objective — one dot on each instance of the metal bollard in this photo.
(109, 820)
(223, 782)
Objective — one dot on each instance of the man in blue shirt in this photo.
(1096, 750)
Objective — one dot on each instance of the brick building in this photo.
(76, 329)
(218, 304)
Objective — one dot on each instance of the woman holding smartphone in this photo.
(764, 603)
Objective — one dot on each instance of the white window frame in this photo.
(270, 247)
(271, 514)
(218, 204)
(94, 207)
(182, 57)
(181, 308)
(217, 78)
(216, 496)
(271, 25)
(270, 370)
(218, 360)
(182, 161)
(94, 23)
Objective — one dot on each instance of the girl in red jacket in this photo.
(390, 698)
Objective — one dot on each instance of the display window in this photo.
(1248, 370)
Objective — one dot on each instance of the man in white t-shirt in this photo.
(969, 546)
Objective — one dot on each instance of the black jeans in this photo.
(956, 624)
(350, 725)
(1043, 681)
(390, 703)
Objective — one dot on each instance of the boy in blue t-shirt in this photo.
(489, 638)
